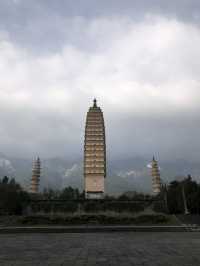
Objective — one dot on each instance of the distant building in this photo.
(155, 173)
(35, 180)
(94, 153)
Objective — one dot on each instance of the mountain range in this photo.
(125, 174)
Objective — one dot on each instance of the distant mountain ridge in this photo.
(128, 174)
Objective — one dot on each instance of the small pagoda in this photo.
(35, 180)
(156, 180)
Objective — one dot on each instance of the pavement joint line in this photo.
(95, 229)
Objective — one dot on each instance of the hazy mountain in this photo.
(123, 174)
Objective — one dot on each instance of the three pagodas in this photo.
(94, 158)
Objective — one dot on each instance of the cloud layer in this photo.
(144, 73)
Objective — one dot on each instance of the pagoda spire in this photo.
(95, 103)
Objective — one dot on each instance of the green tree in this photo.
(70, 193)
(175, 196)
(12, 198)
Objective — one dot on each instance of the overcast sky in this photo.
(140, 59)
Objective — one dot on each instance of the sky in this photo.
(140, 59)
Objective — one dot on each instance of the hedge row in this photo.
(93, 219)
(90, 206)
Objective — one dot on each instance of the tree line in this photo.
(176, 198)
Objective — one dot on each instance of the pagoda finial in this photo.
(154, 158)
(95, 103)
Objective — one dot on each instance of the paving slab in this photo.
(110, 249)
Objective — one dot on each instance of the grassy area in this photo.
(88, 219)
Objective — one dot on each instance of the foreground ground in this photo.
(121, 249)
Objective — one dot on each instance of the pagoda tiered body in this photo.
(156, 181)
(35, 176)
(94, 153)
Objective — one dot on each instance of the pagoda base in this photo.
(94, 194)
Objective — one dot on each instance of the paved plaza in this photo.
(145, 249)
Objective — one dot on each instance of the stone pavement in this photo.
(108, 249)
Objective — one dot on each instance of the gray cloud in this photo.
(140, 60)
(44, 26)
